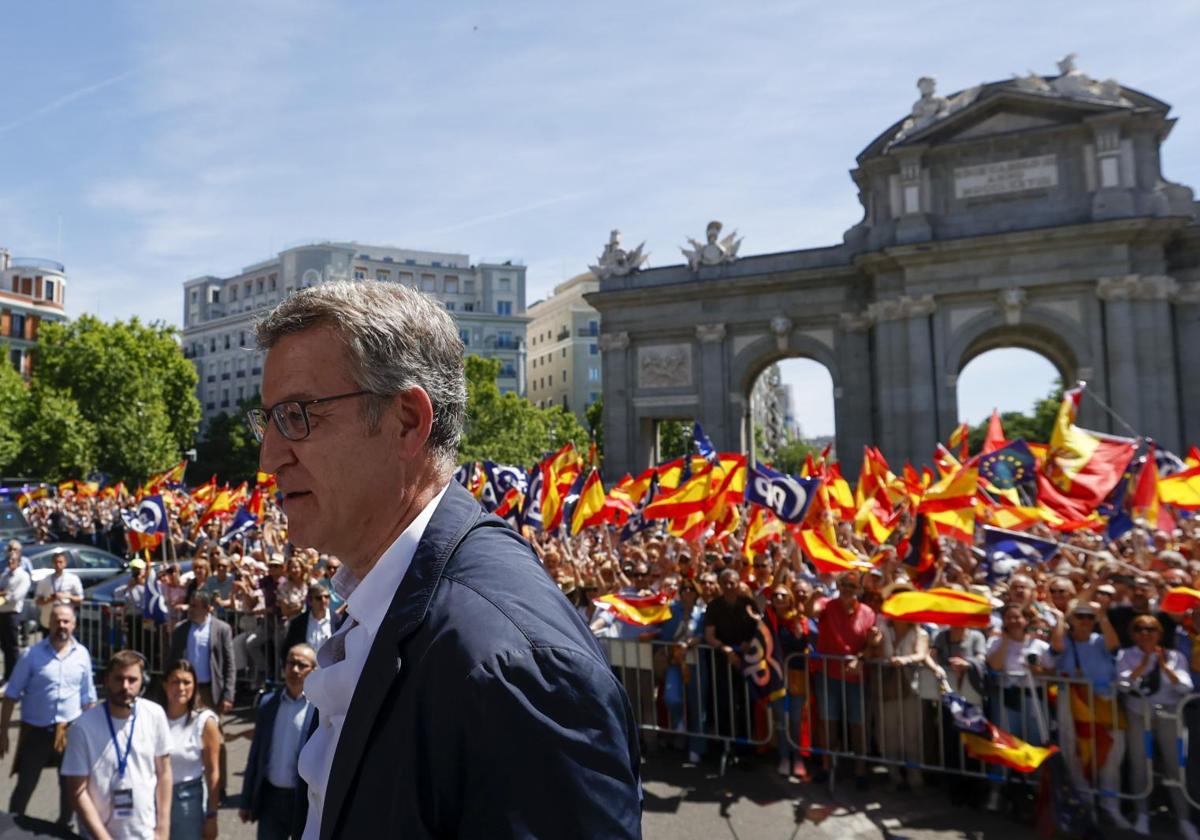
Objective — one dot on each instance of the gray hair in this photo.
(396, 337)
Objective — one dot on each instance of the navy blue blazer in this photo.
(260, 756)
(485, 707)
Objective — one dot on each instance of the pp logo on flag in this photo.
(782, 495)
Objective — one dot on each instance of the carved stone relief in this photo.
(665, 366)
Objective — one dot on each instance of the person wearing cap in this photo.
(59, 587)
(1084, 655)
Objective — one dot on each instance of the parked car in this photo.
(13, 525)
(91, 564)
(102, 627)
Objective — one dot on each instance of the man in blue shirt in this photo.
(53, 684)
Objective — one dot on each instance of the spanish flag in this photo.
(764, 528)
(1081, 467)
(959, 440)
(828, 557)
(1180, 599)
(950, 505)
(948, 607)
(1144, 501)
(590, 509)
(1181, 489)
(640, 611)
(636, 487)
(690, 497)
(986, 742)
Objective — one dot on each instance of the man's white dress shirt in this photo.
(331, 686)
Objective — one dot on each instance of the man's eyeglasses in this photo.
(290, 416)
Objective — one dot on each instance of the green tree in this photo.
(594, 414)
(508, 428)
(674, 438)
(57, 442)
(1034, 427)
(789, 458)
(226, 449)
(12, 402)
(131, 382)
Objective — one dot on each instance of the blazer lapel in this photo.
(455, 516)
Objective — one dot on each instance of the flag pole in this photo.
(1121, 420)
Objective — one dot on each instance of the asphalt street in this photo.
(695, 802)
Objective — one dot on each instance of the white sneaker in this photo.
(1141, 825)
(1188, 831)
(1112, 813)
(785, 768)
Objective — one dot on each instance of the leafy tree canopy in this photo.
(1034, 427)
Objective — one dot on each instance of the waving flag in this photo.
(950, 505)
(959, 440)
(1144, 501)
(986, 742)
(690, 497)
(786, 496)
(243, 522)
(1181, 490)
(760, 667)
(1003, 548)
(704, 446)
(762, 529)
(531, 510)
(510, 507)
(638, 610)
(828, 557)
(1081, 467)
(1008, 467)
(589, 508)
(1180, 599)
(146, 525)
(994, 438)
(949, 607)
(154, 605)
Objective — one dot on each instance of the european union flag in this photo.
(1006, 468)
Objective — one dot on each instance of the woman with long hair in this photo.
(195, 752)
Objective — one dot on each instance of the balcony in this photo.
(224, 377)
(563, 334)
(506, 344)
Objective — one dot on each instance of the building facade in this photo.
(564, 350)
(1031, 212)
(31, 291)
(771, 413)
(486, 300)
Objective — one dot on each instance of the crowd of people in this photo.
(248, 613)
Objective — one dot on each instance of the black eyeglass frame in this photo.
(256, 418)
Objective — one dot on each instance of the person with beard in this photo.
(117, 766)
(53, 684)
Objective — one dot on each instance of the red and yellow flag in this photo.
(1006, 749)
(1181, 489)
(590, 509)
(1180, 599)
(1081, 468)
(641, 611)
(690, 497)
(949, 505)
(828, 557)
(949, 607)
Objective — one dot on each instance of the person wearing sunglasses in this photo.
(454, 633)
(316, 624)
(1084, 646)
(1152, 676)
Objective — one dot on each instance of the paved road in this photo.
(685, 802)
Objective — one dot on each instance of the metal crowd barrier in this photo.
(104, 628)
(689, 692)
(875, 712)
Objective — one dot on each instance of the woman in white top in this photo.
(1150, 675)
(195, 748)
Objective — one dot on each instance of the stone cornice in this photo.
(614, 341)
(897, 309)
(1137, 287)
(710, 333)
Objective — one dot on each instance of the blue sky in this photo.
(146, 143)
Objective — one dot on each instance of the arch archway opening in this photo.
(1011, 380)
(790, 411)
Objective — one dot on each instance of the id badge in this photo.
(122, 803)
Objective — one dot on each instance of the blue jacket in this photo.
(260, 756)
(485, 707)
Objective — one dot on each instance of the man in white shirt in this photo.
(117, 765)
(61, 587)
(14, 586)
(316, 624)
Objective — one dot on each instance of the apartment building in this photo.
(564, 351)
(31, 291)
(487, 300)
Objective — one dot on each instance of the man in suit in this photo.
(273, 794)
(207, 642)
(463, 696)
(316, 624)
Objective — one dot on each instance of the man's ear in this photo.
(413, 415)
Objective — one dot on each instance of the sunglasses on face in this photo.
(1145, 629)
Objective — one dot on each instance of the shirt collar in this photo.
(367, 600)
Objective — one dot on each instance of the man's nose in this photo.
(275, 451)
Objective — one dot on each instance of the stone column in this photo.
(854, 409)
(620, 432)
(712, 387)
(904, 378)
(1187, 340)
(1140, 353)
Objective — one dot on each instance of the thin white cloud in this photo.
(63, 101)
(501, 214)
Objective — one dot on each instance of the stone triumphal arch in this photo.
(1024, 213)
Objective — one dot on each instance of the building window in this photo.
(566, 405)
(464, 336)
(593, 374)
(594, 349)
(564, 377)
(405, 277)
(504, 340)
(436, 263)
(246, 291)
(592, 397)
(17, 327)
(360, 274)
(232, 293)
(212, 345)
(564, 352)
(469, 286)
(593, 328)
(48, 290)
(507, 371)
(382, 274)
(227, 341)
(27, 286)
(469, 306)
(449, 306)
(274, 282)
(195, 297)
(451, 284)
(504, 307)
(428, 283)
(504, 284)
(258, 286)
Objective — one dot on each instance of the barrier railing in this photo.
(692, 692)
(105, 628)
(879, 713)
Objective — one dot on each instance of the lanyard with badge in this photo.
(122, 794)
